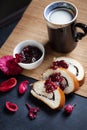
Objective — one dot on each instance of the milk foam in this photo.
(60, 16)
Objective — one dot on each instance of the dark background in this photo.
(11, 10)
(10, 13)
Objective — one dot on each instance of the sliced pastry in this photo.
(55, 98)
(72, 65)
(63, 78)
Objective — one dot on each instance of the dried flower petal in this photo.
(23, 87)
(18, 58)
(11, 106)
(8, 65)
(8, 84)
(32, 111)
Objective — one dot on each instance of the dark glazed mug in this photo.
(61, 18)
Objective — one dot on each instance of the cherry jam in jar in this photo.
(29, 54)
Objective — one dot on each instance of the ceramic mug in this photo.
(61, 18)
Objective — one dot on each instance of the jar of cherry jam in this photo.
(29, 54)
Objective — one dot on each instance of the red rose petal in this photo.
(11, 106)
(8, 84)
(23, 87)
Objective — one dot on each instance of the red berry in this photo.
(56, 79)
(58, 64)
(69, 108)
(29, 54)
(50, 86)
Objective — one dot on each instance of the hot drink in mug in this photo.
(62, 27)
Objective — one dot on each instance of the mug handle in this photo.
(80, 35)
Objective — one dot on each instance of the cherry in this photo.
(58, 64)
(59, 80)
(50, 86)
(29, 54)
(69, 108)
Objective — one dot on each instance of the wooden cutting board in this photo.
(33, 26)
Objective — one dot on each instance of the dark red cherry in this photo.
(29, 54)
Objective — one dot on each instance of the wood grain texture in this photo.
(33, 26)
